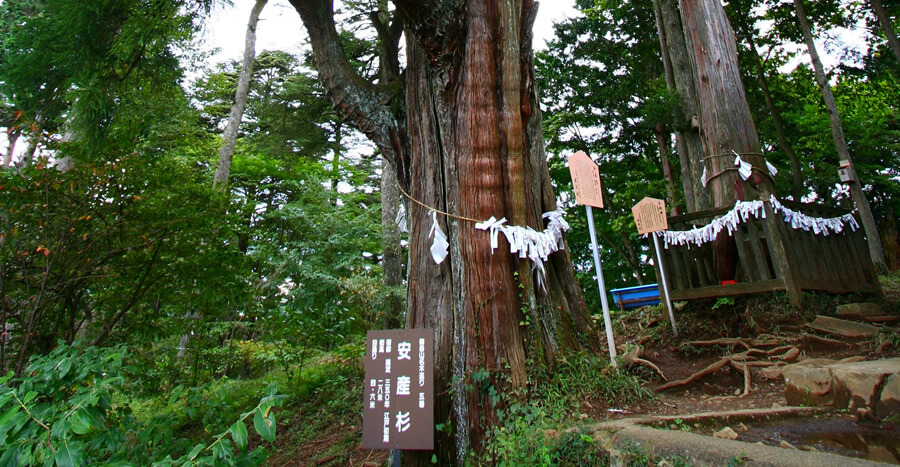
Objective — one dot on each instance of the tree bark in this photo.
(391, 260)
(336, 158)
(662, 142)
(859, 198)
(885, 22)
(796, 173)
(726, 124)
(226, 152)
(687, 139)
(466, 141)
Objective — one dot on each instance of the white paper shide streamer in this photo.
(439, 246)
(744, 210)
(527, 242)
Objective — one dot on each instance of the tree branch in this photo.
(366, 107)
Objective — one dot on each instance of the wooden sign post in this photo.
(649, 217)
(586, 181)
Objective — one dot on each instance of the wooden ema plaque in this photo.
(586, 180)
(650, 215)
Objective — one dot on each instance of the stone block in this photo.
(855, 384)
(807, 385)
(889, 404)
(843, 327)
(857, 310)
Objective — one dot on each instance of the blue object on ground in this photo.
(635, 297)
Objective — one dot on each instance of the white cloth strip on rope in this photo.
(742, 212)
(529, 243)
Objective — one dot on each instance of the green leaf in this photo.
(61, 429)
(239, 434)
(81, 424)
(29, 397)
(63, 367)
(197, 449)
(68, 454)
(264, 423)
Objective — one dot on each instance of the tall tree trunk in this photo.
(471, 140)
(680, 76)
(226, 152)
(796, 173)
(391, 260)
(885, 22)
(862, 204)
(726, 125)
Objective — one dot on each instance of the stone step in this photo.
(842, 327)
(870, 386)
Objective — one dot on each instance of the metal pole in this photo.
(665, 283)
(606, 319)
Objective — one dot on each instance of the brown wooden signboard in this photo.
(586, 180)
(650, 215)
(398, 397)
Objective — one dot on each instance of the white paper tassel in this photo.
(494, 226)
(745, 168)
(772, 170)
(439, 250)
(703, 179)
(401, 219)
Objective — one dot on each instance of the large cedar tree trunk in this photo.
(680, 76)
(466, 140)
(726, 124)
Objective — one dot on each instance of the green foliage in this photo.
(601, 81)
(578, 377)
(75, 64)
(64, 411)
(524, 436)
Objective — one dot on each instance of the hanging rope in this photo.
(524, 241)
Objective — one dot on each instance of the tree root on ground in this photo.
(631, 355)
(741, 362)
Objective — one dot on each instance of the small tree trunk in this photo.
(796, 174)
(336, 159)
(687, 139)
(11, 148)
(885, 22)
(662, 142)
(862, 204)
(391, 260)
(226, 152)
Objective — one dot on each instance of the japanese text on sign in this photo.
(398, 410)
(586, 180)
(650, 215)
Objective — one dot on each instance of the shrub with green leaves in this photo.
(63, 411)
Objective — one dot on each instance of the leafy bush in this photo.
(63, 411)
(524, 437)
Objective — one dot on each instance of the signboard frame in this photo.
(398, 396)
